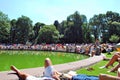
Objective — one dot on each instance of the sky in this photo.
(47, 11)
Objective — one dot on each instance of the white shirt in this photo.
(48, 71)
(47, 74)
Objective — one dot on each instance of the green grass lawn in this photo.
(96, 69)
(30, 59)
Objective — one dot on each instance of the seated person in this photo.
(92, 50)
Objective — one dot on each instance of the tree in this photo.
(36, 30)
(87, 33)
(4, 28)
(96, 22)
(102, 26)
(57, 25)
(63, 26)
(37, 27)
(114, 28)
(112, 16)
(23, 29)
(48, 34)
(113, 23)
(73, 32)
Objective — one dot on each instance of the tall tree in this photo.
(99, 24)
(95, 24)
(63, 26)
(4, 28)
(57, 25)
(74, 31)
(23, 29)
(113, 23)
(112, 16)
(37, 27)
(105, 25)
(87, 37)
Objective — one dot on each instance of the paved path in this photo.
(61, 67)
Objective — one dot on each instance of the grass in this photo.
(30, 59)
(96, 69)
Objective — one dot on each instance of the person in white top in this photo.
(49, 73)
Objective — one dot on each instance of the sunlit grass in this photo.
(96, 69)
(30, 59)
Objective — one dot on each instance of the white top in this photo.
(47, 74)
(40, 78)
(48, 71)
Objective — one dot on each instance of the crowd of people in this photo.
(87, 49)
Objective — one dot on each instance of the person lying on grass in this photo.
(51, 74)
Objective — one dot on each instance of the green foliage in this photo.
(36, 30)
(105, 25)
(114, 38)
(87, 38)
(63, 26)
(48, 34)
(4, 28)
(75, 29)
(114, 28)
(37, 27)
(12, 30)
(21, 29)
(98, 24)
(73, 32)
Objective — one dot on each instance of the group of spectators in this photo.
(32, 47)
(87, 49)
